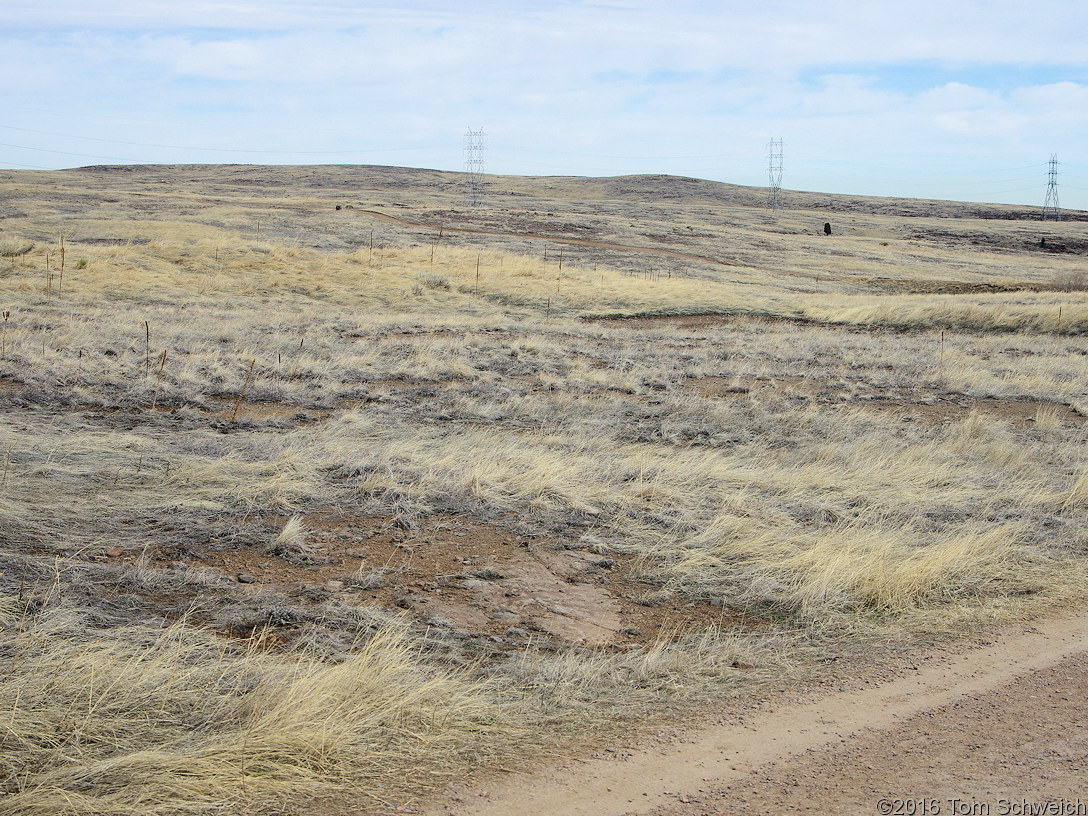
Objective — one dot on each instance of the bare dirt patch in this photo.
(912, 404)
(451, 573)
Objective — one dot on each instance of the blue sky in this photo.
(963, 100)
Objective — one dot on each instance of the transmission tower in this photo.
(774, 172)
(1051, 210)
(474, 166)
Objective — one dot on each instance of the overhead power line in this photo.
(61, 152)
(29, 166)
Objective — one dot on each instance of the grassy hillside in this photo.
(320, 487)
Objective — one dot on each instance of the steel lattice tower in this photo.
(474, 166)
(774, 172)
(1051, 209)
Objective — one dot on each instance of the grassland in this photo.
(309, 508)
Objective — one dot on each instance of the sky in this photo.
(947, 99)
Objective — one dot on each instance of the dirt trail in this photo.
(697, 775)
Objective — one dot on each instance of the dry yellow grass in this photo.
(176, 721)
(794, 461)
(727, 521)
(185, 724)
(217, 270)
(1028, 312)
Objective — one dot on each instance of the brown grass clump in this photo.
(14, 247)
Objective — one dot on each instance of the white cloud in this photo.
(562, 87)
(957, 96)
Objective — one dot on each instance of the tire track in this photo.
(718, 755)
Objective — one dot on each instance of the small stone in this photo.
(114, 552)
(245, 578)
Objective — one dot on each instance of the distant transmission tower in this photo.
(774, 172)
(474, 167)
(1051, 210)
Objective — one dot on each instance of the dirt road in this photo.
(997, 729)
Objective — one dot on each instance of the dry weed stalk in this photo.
(158, 379)
(245, 385)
